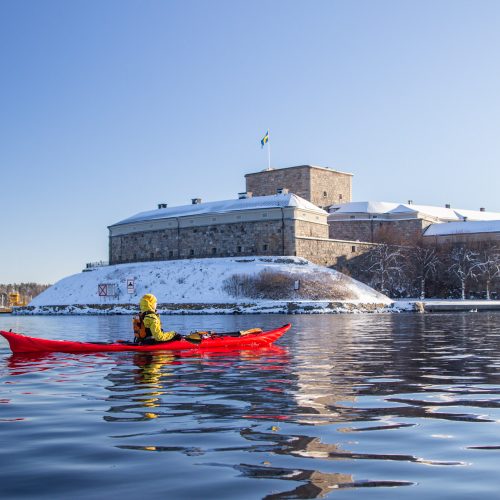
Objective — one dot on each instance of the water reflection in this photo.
(167, 382)
(316, 484)
(346, 403)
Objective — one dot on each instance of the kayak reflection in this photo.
(32, 362)
(176, 384)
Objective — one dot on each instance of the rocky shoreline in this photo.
(267, 307)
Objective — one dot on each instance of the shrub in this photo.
(239, 285)
(279, 285)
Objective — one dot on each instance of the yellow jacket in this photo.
(151, 320)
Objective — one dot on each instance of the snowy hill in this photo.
(251, 284)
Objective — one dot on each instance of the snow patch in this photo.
(188, 283)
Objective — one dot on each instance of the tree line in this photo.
(465, 270)
(28, 290)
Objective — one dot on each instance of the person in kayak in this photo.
(151, 322)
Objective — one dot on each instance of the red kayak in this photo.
(210, 342)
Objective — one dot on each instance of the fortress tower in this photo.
(319, 185)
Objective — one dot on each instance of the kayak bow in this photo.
(23, 343)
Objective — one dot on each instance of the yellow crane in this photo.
(16, 299)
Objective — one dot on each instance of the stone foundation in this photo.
(330, 253)
(376, 231)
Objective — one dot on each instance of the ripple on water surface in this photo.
(398, 405)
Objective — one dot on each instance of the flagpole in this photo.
(268, 151)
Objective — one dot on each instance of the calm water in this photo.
(352, 406)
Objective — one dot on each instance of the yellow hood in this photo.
(148, 303)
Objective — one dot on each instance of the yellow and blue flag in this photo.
(264, 140)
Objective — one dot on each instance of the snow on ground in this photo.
(195, 281)
(446, 305)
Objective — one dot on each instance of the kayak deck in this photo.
(22, 343)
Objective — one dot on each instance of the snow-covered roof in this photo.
(404, 209)
(364, 207)
(221, 207)
(477, 215)
(442, 213)
(462, 227)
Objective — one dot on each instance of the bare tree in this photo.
(488, 265)
(424, 261)
(385, 264)
(463, 265)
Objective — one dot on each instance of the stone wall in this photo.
(310, 229)
(295, 179)
(404, 231)
(329, 187)
(462, 238)
(273, 237)
(321, 186)
(327, 252)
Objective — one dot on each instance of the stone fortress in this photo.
(305, 211)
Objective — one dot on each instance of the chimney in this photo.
(244, 195)
(162, 205)
(195, 201)
(447, 205)
(282, 191)
(482, 209)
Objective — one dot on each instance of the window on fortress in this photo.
(239, 249)
(325, 194)
(170, 253)
(340, 196)
(264, 247)
(191, 252)
(152, 255)
(353, 249)
(214, 251)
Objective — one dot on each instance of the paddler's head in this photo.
(148, 303)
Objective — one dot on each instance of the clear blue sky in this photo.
(109, 107)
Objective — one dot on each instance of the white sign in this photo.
(130, 285)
